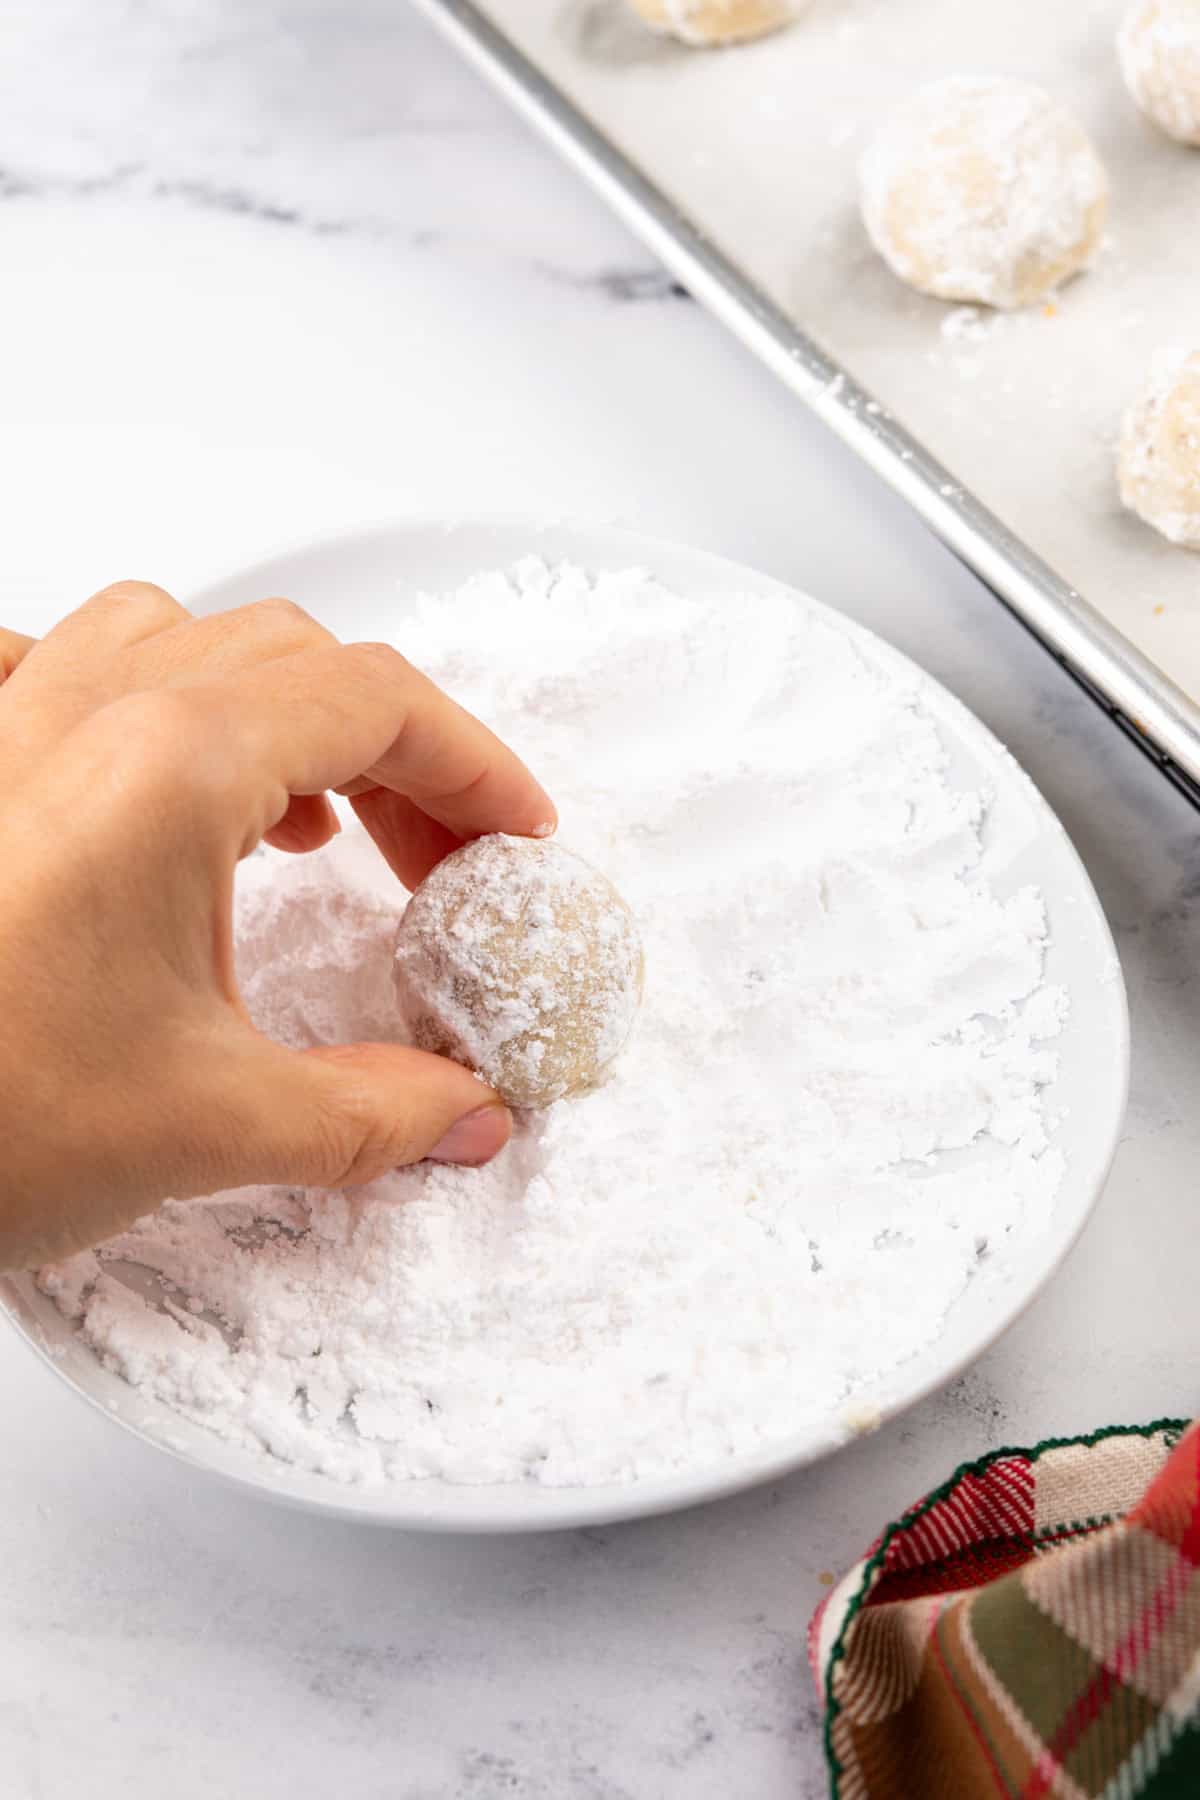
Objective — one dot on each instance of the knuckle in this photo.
(137, 599)
(153, 719)
(280, 618)
(163, 735)
(384, 660)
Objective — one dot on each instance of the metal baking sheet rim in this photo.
(1153, 710)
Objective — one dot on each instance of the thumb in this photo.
(340, 1116)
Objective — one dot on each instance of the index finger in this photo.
(324, 717)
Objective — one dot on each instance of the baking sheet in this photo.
(757, 146)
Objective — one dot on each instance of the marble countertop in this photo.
(268, 267)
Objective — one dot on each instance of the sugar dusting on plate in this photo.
(831, 1111)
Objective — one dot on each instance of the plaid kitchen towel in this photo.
(1031, 1629)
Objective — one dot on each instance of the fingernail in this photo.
(475, 1138)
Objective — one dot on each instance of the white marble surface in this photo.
(272, 266)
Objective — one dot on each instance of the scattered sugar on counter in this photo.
(831, 1108)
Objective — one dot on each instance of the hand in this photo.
(142, 754)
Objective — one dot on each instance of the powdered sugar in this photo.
(983, 189)
(832, 1104)
(968, 325)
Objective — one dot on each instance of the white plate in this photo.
(361, 585)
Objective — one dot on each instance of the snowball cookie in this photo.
(1159, 460)
(983, 189)
(517, 958)
(1159, 48)
(717, 21)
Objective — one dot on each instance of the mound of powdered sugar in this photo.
(832, 1101)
